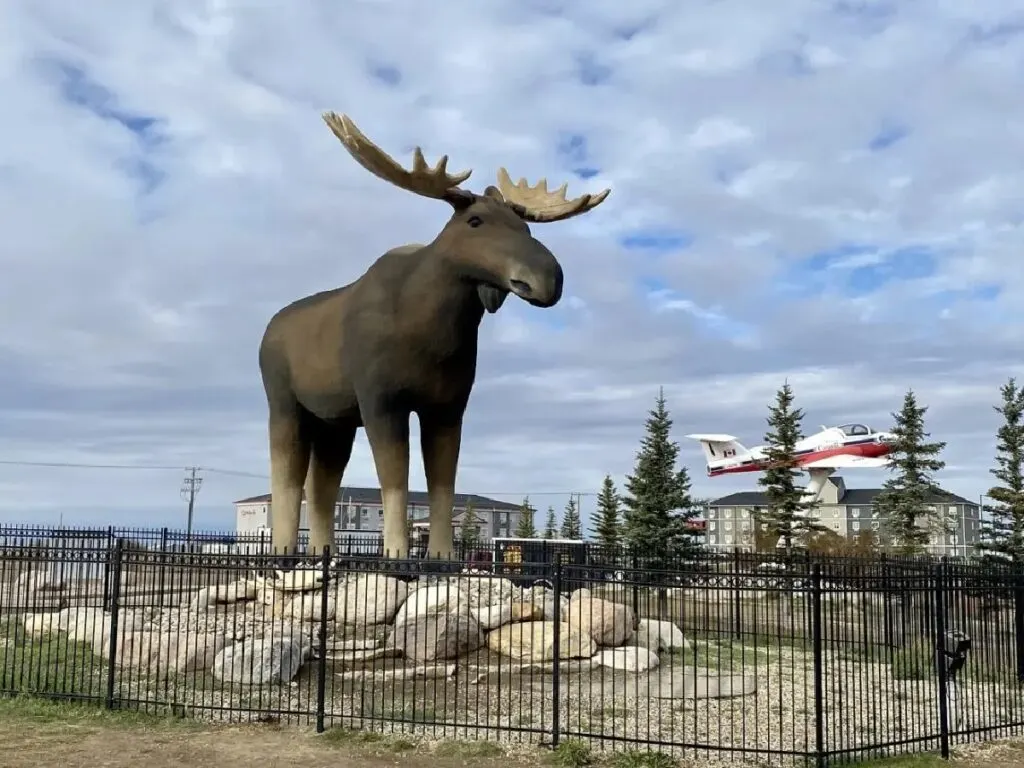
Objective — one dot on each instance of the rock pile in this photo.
(260, 631)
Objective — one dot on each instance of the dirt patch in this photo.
(35, 733)
(41, 733)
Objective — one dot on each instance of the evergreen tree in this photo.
(789, 517)
(657, 503)
(1003, 532)
(550, 525)
(608, 529)
(526, 527)
(572, 528)
(904, 500)
(470, 528)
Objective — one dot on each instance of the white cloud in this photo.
(138, 273)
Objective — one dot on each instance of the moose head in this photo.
(488, 237)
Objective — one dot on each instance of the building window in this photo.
(728, 525)
(712, 525)
(855, 512)
(856, 525)
(712, 539)
(711, 513)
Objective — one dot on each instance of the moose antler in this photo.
(433, 182)
(538, 205)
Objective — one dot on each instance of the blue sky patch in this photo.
(887, 137)
(77, 87)
(857, 269)
(590, 71)
(658, 240)
(388, 74)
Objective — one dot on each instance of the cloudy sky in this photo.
(824, 192)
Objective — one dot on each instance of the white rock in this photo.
(658, 635)
(261, 662)
(436, 598)
(370, 599)
(492, 616)
(628, 658)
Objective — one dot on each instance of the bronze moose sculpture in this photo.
(401, 339)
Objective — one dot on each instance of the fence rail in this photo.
(820, 659)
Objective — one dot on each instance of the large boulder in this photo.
(446, 597)
(370, 598)
(658, 635)
(167, 653)
(433, 636)
(497, 615)
(607, 622)
(261, 661)
(534, 641)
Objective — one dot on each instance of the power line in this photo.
(239, 473)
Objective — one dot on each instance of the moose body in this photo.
(402, 339)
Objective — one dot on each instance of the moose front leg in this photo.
(440, 440)
(388, 434)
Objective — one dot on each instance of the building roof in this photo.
(853, 497)
(355, 495)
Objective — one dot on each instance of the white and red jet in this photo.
(820, 454)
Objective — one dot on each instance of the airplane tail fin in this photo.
(718, 447)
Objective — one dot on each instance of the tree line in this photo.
(656, 510)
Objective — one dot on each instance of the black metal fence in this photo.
(823, 659)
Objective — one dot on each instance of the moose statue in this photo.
(401, 339)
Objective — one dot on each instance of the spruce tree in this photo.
(572, 528)
(904, 501)
(657, 504)
(550, 525)
(789, 517)
(470, 528)
(526, 528)
(1003, 532)
(608, 529)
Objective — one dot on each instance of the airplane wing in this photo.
(842, 462)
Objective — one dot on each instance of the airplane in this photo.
(820, 454)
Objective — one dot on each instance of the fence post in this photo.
(940, 656)
(635, 564)
(819, 667)
(321, 670)
(107, 568)
(737, 608)
(887, 623)
(556, 672)
(1018, 618)
(115, 603)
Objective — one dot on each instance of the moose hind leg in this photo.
(331, 450)
(289, 460)
(440, 440)
(388, 435)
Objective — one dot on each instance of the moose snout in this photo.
(539, 280)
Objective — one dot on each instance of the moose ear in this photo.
(492, 298)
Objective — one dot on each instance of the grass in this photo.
(41, 711)
(50, 664)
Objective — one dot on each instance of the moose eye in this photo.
(474, 221)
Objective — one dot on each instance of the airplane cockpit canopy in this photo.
(854, 430)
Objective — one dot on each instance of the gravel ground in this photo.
(864, 703)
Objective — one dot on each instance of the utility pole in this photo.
(189, 488)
